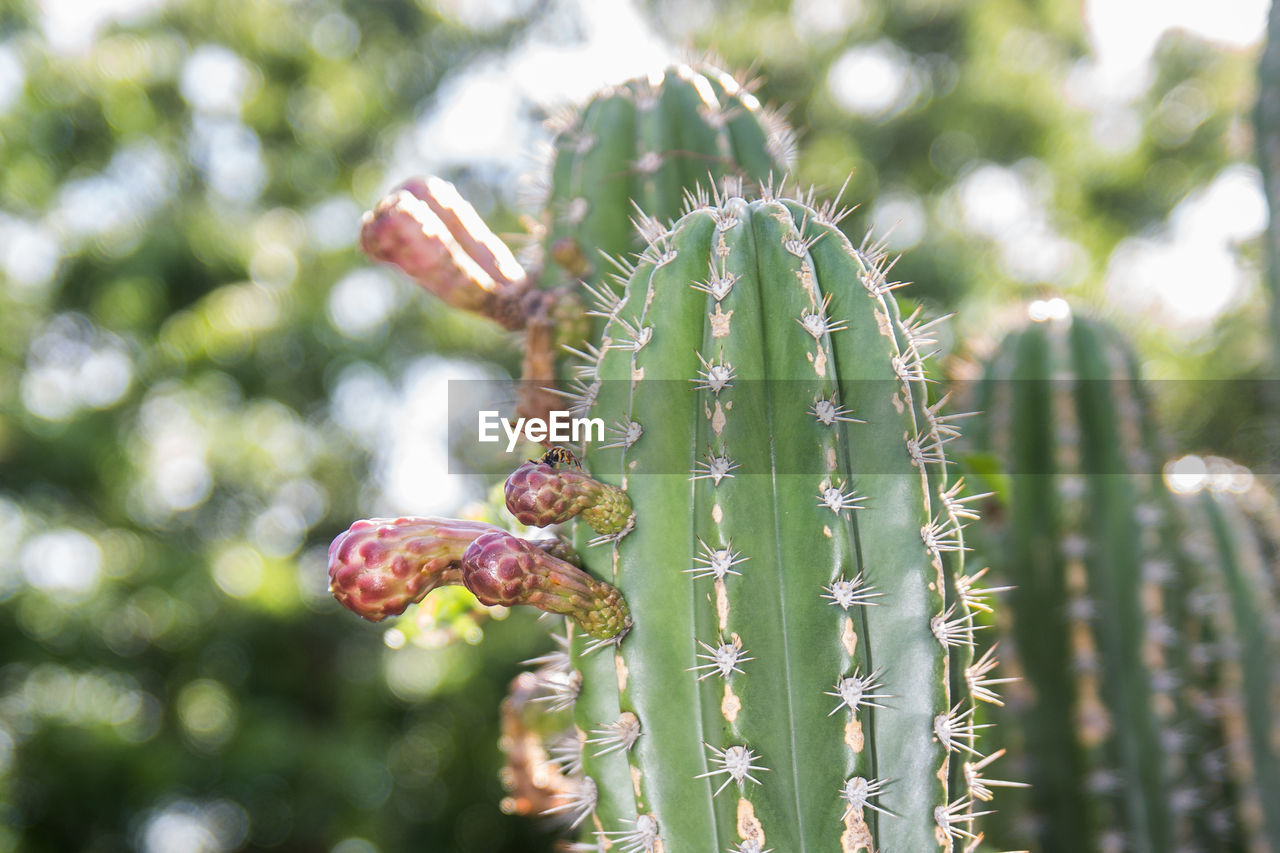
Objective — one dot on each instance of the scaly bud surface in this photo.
(380, 566)
(405, 230)
(539, 495)
(502, 569)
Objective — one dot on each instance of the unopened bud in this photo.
(380, 566)
(430, 233)
(502, 569)
(538, 495)
(476, 239)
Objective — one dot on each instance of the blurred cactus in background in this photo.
(1125, 620)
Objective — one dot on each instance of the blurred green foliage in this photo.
(194, 361)
(180, 205)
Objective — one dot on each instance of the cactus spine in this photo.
(797, 676)
(1119, 717)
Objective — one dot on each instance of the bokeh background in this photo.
(202, 382)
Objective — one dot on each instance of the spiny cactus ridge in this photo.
(801, 672)
(1236, 542)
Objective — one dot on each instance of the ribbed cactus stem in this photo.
(380, 566)
(1112, 723)
(539, 495)
(796, 675)
(1240, 557)
(629, 157)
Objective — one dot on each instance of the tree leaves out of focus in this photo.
(198, 373)
(191, 358)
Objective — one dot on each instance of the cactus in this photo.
(641, 146)
(1236, 540)
(1117, 725)
(798, 673)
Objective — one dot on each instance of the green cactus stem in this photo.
(797, 675)
(1113, 725)
(378, 567)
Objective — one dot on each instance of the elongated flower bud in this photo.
(379, 566)
(405, 230)
(539, 495)
(465, 225)
(502, 569)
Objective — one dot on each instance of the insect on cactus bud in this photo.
(539, 495)
(621, 165)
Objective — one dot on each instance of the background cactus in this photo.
(799, 669)
(1237, 542)
(636, 149)
(1119, 723)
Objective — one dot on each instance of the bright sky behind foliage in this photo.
(1166, 270)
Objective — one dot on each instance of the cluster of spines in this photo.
(722, 655)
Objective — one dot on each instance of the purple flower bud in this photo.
(502, 569)
(380, 566)
(538, 495)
